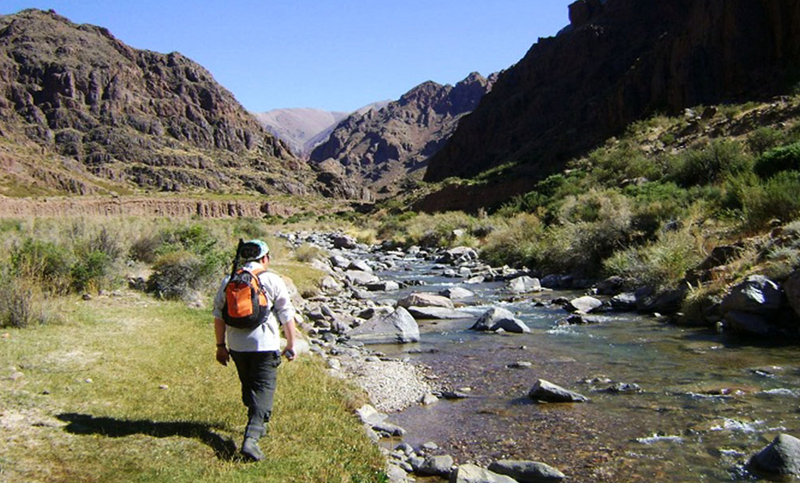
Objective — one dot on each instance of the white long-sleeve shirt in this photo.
(265, 337)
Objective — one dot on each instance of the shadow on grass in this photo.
(85, 424)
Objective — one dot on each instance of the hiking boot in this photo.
(251, 450)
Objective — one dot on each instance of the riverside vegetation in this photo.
(647, 207)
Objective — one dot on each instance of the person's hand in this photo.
(290, 354)
(222, 355)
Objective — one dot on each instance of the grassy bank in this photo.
(123, 386)
(127, 389)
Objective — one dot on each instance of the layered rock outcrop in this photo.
(379, 148)
(619, 61)
(128, 116)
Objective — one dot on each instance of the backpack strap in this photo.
(256, 272)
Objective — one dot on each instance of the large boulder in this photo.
(436, 466)
(548, 392)
(649, 300)
(792, 289)
(398, 327)
(425, 300)
(457, 293)
(459, 255)
(527, 471)
(475, 474)
(781, 456)
(746, 323)
(524, 284)
(361, 278)
(757, 294)
(584, 304)
(499, 318)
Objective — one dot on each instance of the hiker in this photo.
(254, 346)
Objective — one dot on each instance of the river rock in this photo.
(497, 318)
(437, 313)
(359, 265)
(624, 302)
(781, 456)
(475, 474)
(583, 304)
(610, 286)
(396, 474)
(397, 327)
(339, 261)
(330, 285)
(436, 466)
(369, 415)
(361, 278)
(383, 286)
(524, 284)
(756, 294)
(343, 241)
(649, 300)
(746, 323)
(527, 471)
(548, 392)
(425, 300)
(457, 293)
(792, 289)
(459, 255)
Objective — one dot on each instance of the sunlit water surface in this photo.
(708, 401)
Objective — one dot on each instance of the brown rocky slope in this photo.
(617, 62)
(379, 148)
(83, 113)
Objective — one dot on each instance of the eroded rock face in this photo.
(378, 148)
(131, 116)
(619, 61)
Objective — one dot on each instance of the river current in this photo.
(707, 403)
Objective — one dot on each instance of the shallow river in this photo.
(708, 401)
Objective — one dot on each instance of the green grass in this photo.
(128, 390)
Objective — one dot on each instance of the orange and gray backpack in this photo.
(246, 304)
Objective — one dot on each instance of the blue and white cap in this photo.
(254, 250)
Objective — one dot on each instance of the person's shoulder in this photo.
(271, 276)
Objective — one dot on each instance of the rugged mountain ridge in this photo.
(619, 61)
(378, 149)
(81, 107)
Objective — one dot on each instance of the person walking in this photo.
(255, 350)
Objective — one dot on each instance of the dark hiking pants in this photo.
(258, 373)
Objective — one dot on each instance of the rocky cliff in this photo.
(377, 150)
(619, 61)
(81, 107)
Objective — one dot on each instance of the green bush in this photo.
(763, 139)
(90, 272)
(45, 263)
(774, 161)
(709, 164)
(180, 275)
(661, 264)
(777, 198)
(519, 242)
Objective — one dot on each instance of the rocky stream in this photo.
(470, 367)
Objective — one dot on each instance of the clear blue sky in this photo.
(330, 54)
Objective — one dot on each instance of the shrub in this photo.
(44, 263)
(763, 139)
(23, 303)
(179, 275)
(786, 158)
(661, 264)
(91, 271)
(777, 198)
(517, 243)
(709, 164)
